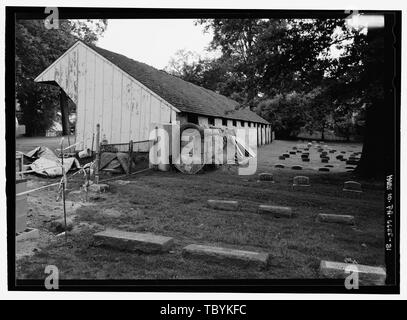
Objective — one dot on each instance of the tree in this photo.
(286, 113)
(36, 48)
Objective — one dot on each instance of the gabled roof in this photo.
(185, 96)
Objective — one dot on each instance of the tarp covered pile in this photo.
(44, 162)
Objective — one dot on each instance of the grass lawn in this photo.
(173, 204)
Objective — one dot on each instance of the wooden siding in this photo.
(104, 94)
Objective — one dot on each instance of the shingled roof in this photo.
(185, 96)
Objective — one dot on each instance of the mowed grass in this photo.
(173, 204)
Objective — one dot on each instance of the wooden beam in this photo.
(63, 100)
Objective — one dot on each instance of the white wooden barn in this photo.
(126, 97)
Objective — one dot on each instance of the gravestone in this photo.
(336, 218)
(352, 186)
(352, 162)
(329, 166)
(324, 160)
(228, 205)
(331, 151)
(323, 169)
(226, 256)
(266, 177)
(304, 156)
(299, 151)
(279, 165)
(301, 181)
(275, 211)
(367, 275)
(339, 157)
(296, 167)
(281, 158)
(305, 159)
(292, 152)
(133, 241)
(286, 155)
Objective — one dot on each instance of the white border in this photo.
(219, 4)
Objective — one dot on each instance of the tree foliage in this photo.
(313, 73)
(36, 48)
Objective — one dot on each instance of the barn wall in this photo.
(218, 122)
(105, 94)
(203, 121)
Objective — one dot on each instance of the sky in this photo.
(154, 41)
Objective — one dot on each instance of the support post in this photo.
(97, 153)
(63, 100)
(63, 187)
(130, 155)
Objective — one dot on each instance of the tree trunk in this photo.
(63, 99)
(372, 160)
(374, 153)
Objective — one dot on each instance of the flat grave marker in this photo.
(275, 211)
(367, 275)
(336, 218)
(133, 241)
(228, 205)
(241, 258)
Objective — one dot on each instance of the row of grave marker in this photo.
(368, 275)
(150, 243)
(353, 159)
(303, 181)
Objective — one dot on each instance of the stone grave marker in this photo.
(133, 241)
(275, 211)
(367, 275)
(296, 167)
(301, 181)
(228, 205)
(336, 218)
(266, 177)
(323, 169)
(352, 186)
(241, 258)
